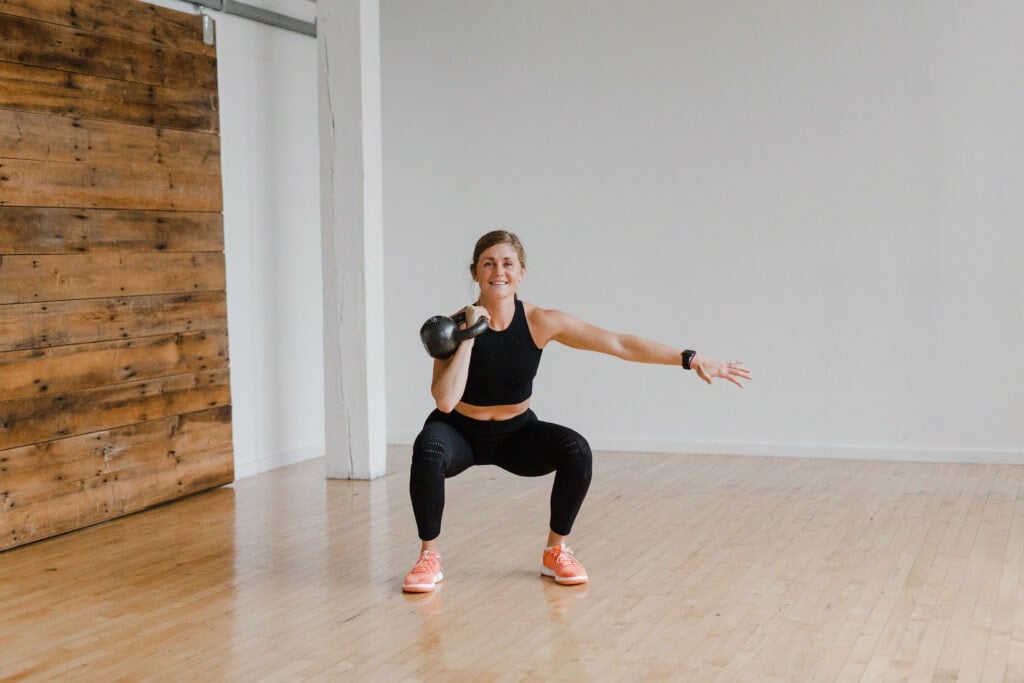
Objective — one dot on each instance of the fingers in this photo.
(735, 368)
(474, 313)
(732, 371)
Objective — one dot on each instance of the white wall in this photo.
(830, 192)
(270, 168)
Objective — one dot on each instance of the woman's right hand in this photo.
(474, 313)
(450, 374)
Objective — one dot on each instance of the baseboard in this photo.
(791, 450)
(814, 450)
(254, 467)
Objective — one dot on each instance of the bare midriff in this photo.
(492, 413)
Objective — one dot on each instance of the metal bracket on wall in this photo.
(259, 14)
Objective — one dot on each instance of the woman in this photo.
(483, 411)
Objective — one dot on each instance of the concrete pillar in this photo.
(351, 207)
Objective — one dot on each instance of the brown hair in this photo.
(497, 237)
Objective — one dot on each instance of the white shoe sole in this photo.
(423, 587)
(565, 581)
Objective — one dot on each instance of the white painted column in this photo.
(351, 207)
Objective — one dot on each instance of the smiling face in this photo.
(498, 270)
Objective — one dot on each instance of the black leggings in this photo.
(451, 442)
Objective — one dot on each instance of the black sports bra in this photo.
(503, 364)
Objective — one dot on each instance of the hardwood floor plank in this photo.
(703, 568)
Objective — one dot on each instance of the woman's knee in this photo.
(576, 453)
(432, 448)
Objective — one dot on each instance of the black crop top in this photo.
(503, 364)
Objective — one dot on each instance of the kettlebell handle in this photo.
(441, 335)
(475, 331)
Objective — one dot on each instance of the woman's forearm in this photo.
(450, 378)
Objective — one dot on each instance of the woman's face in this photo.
(498, 271)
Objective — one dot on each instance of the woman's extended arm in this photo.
(554, 325)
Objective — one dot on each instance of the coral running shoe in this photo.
(425, 574)
(560, 565)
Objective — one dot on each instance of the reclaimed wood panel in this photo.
(114, 371)
(110, 186)
(47, 230)
(85, 276)
(37, 514)
(53, 91)
(137, 21)
(42, 137)
(25, 421)
(55, 323)
(46, 465)
(34, 372)
(110, 450)
(39, 43)
(147, 476)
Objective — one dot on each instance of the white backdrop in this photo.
(831, 193)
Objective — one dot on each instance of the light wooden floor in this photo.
(701, 568)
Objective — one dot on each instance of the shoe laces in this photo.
(565, 557)
(425, 563)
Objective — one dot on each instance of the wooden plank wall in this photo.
(114, 385)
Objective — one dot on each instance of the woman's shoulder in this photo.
(547, 321)
(539, 322)
(535, 310)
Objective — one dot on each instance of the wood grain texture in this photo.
(44, 137)
(137, 21)
(702, 568)
(38, 372)
(38, 43)
(25, 279)
(52, 91)
(49, 324)
(114, 370)
(58, 323)
(118, 455)
(107, 186)
(48, 230)
(74, 504)
(31, 420)
(42, 465)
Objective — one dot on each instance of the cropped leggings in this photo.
(451, 443)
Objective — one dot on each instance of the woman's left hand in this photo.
(731, 370)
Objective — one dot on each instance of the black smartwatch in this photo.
(688, 355)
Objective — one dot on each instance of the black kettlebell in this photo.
(441, 335)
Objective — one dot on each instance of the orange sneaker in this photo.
(425, 574)
(560, 565)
